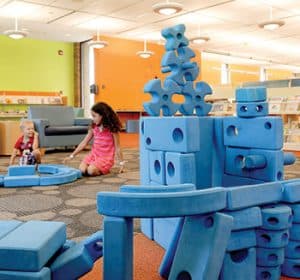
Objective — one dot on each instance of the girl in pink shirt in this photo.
(104, 131)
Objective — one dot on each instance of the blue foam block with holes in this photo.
(252, 109)
(21, 181)
(239, 264)
(271, 273)
(290, 268)
(292, 249)
(74, 262)
(180, 168)
(235, 161)
(252, 195)
(176, 134)
(245, 218)
(16, 170)
(240, 132)
(43, 274)
(269, 256)
(272, 238)
(295, 210)
(94, 245)
(8, 226)
(276, 217)
(232, 181)
(205, 239)
(157, 167)
(291, 191)
(241, 239)
(175, 37)
(29, 246)
(251, 94)
(295, 232)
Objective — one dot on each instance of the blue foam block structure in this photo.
(59, 178)
(177, 165)
(175, 37)
(290, 268)
(276, 217)
(74, 263)
(252, 195)
(233, 181)
(94, 245)
(241, 239)
(8, 226)
(21, 181)
(16, 170)
(295, 232)
(239, 264)
(157, 167)
(205, 238)
(291, 191)
(43, 274)
(292, 250)
(271, 273)
(252, 109)
(272, 238)
(157, 188)
(238, 132)
(251, 94)
(245, 218)
(295, 211)
(269, 256)
(144, 156)
(176, 134)
(235, 161)
(20, 251)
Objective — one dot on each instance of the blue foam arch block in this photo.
(245, 218)
(251, 94)
(21, 181)
(264, 272)
(180, 168)
(16, 170)
(272, 238)
(239, 132)
(19, 251)
(295, 232)
(176, 134)
(48, 168)
(94, 245)
(74, 262)
(252, 195)
(290, 268)
(291, 191)
(191, 203)
(252, 109)
(175, 37)
(157, 167)
(43, 274)
(58, 178)
(157, 188)
(239, 264)
(292, 250)
(8, 226)
(241, 239)
(269, 256)
(205, 239)
(276, 217)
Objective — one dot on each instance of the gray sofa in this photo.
(57, 125)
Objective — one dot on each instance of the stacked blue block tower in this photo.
(208, 152)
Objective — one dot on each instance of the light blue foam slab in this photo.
(245, 218)
(241, 239)
(162, 204)
(180, 168)
(157, 167)
(260, 133)
(252, 109)
(272, 238)
(31, 245)
(295, 232)
(21, 181)
(8, 226)
(291, 191)
(292, 250)
(240, 264)
(253, 195)
(290, 268)
(234, 181)
(72, 263)
(94, 245)
(157, 188)
(269, 256)
(16, 170)
(43, 274)
(172, 134)
(205, 239)
(251, 94)
(270, 273)
(276, 217)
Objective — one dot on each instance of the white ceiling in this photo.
(232, 25)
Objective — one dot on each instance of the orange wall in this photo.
(275, 74)
(121, 74)
(243, 73)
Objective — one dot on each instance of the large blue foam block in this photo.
(43, 274)
(251, 94)
(241, 239)
(252, 109)
(157, 167)
(277, 217)
(291, 191)
(16, 170)
(157, 188)
(21, 181)
(232, 181)
(8, 226)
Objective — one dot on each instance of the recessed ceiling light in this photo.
(199, 40)
(145, 53)
(16, 33)
(167, 8)
(272, 24)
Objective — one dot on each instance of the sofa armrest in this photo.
(40, 125)
(82, 121)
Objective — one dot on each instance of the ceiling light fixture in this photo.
(145, 53)
(199, 40)
(16, 33)
(167, 8)
(98, 44)
(271, 24)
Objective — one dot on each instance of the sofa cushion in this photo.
(65, 130)
(57, 115)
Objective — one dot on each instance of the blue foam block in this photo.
(276, 217)
(175, 134)
(48, 168)
(21, 181)
(272, 238)
(180, 168)
(157, 188)
(205, 239)
(59, 178)
(246, 196)
(295, 232)
(252, 109)
(94, 245)
(74, 262)
(175, 37)
(251, 94)
(232, 181)
(1, 180)
(292, 250)
(245, 218)
(8, 226)
(16, 170)
(295, 211)
(291, 191)
(43, 274)
(290, 268)
(235, 162)
(240, 132)
(241, 239)
(269, 256)
(289, 158)
(147, 228)
(20, 251)
(270, 273)
(157, 167)
(239, 264)
(144, 156)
